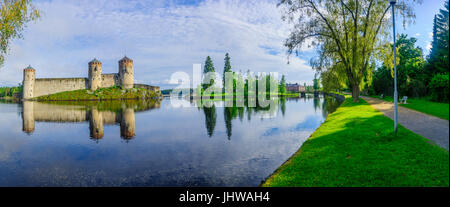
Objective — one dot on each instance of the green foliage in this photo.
(226, 69)
(348, 34)
(438, 57)
(282, 87)
(14, 14)
(112, 93)
(437, 66)
(331, 80)
(316, 83)
(411, 76)
(415, 76)
(356, 146)
(439, 87)
(208, 73)
(11, 91)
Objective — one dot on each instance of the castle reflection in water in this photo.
(98, 114)
(122, 113)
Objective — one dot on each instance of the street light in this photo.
(392, 2)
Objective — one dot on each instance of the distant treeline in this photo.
(15, 91)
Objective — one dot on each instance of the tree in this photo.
(438, 58)
(282, 89)
(208, 73)
(347, 33)
(14, 15)
(411, 76)
(226, 69)
(316, 83)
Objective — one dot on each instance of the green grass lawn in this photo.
(356, 146)
(112, 93)
(424, 105)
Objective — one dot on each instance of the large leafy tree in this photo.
(347, 34)
(14, 14)
(410, 70)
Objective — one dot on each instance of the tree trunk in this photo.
(355, 93)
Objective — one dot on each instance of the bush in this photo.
(439, 87)
(415, 88)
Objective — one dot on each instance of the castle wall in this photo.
(109, 80)
(46, 86)
(155, 89)
(57, 113)
(44, 112)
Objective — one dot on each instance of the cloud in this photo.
(429, 46)
(162, 37)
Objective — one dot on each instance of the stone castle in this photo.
(35, 87)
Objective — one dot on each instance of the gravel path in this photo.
(430, 127)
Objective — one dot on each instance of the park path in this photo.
(430, 127)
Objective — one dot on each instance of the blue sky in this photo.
(163, 37)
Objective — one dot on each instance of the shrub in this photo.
(439, 87)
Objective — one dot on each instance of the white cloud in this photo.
(417, 34)
(161, 37)
(429, 46)
(430, 35)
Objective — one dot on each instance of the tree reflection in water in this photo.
(232, 111)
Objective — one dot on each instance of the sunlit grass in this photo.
(424, 105)
(356, 146)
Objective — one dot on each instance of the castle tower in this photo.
(127, 124)
(96, 124)
(29, 77)
(95, 74)
(126, 74)
(28, 117)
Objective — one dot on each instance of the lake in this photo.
(151, 142)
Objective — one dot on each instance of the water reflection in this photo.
(171, 146)
(123, 113)
(231, 111)
(97, 114)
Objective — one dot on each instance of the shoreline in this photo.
(339, 153)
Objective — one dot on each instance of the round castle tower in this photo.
(95, 74)
(126, 73)
(29, 77)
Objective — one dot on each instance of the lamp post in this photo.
(392, 2)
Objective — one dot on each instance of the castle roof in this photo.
(94, 61)
(29, 68)
(125, 59)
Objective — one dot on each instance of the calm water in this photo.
(151, 143)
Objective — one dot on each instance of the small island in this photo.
(101, 94)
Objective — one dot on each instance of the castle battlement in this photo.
(35, 87)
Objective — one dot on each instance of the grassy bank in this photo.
(424, 105)
(355, 146)
(112, 93)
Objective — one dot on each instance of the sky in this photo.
(167, 36)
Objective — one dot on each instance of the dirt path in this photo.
(430, 127)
